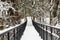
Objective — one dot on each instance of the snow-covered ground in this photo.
(30, 33)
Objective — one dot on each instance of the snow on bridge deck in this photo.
(30, 33)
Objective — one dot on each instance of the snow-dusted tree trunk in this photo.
(53, 12)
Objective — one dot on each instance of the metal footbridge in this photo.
(30, 30)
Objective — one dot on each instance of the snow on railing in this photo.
(47, 32)
(13, 32)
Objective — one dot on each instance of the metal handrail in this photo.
(47, 32)
(14, 33)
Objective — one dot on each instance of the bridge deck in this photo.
(30, 32)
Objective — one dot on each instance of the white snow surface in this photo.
(30, 33)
